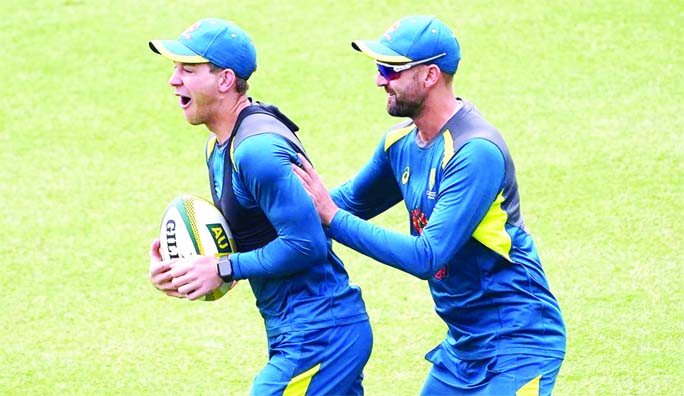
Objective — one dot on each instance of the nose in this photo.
(175, 79)
(380, 81)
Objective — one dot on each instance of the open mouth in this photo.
(185, 101)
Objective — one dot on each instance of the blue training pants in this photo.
(326, 361)
(502, 375)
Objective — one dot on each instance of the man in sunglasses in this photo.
(454, 172)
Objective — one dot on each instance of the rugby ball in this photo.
(194, 226)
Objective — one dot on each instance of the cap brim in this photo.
(176, 51)
(379, 52)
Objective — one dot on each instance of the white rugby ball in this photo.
(194, 226)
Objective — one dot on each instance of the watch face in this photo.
(224, 268)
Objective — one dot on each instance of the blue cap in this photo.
(412, 39)
(213, 40)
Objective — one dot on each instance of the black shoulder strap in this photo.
(258, 123)
(260, 118)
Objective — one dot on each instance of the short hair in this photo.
(240, 83)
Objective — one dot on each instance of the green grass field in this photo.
(588, 94)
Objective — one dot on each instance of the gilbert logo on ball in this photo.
(194, 226)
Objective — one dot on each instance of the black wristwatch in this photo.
(225, 269)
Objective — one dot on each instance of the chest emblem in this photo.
(441, 274)
(418, 220)
(405, 175)
(431, 194)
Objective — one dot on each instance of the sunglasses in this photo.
(392, 71)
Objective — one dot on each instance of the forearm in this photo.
(281, 257)
(411, 254)
(468, 189)
(372, 191)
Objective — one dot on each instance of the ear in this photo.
(431, 76)
(226, 80)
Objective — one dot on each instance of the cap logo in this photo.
(191, 29)
(392, 29)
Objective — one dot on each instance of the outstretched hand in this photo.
(313, 185)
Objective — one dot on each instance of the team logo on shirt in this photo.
(405, 175)
(441, 274)
(418, 221)
(431, 194)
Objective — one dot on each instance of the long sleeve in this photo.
(372, 191)
(471, 181)
(265, 179)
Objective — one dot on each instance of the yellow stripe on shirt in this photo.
(211, 143)
(448, 148)
(491, 231)
(394, 136)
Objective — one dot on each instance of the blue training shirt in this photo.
(467, 236)
(298, 281)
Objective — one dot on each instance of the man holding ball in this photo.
(319, 336)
